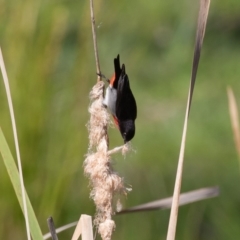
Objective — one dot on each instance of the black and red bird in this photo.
(121, 102)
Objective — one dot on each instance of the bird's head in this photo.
(127, 129)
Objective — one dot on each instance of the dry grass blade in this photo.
(202, 20)
(6, 83)
(185, 198)
(234, 119)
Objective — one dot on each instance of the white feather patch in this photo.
(110, 99)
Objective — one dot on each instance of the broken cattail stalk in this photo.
(84, 228)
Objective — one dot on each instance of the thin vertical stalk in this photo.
(95, 39)
(202, 20)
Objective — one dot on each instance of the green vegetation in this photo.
(48, 52)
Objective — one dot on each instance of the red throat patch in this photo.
(112, 79)
(116, 121)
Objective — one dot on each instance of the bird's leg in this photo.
(103, 76)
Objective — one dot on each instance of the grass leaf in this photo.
(14, 128)
(14, 176)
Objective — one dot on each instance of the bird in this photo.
(120, 101)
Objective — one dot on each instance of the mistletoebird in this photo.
(120, 101)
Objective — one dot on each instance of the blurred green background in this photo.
(48, 52)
